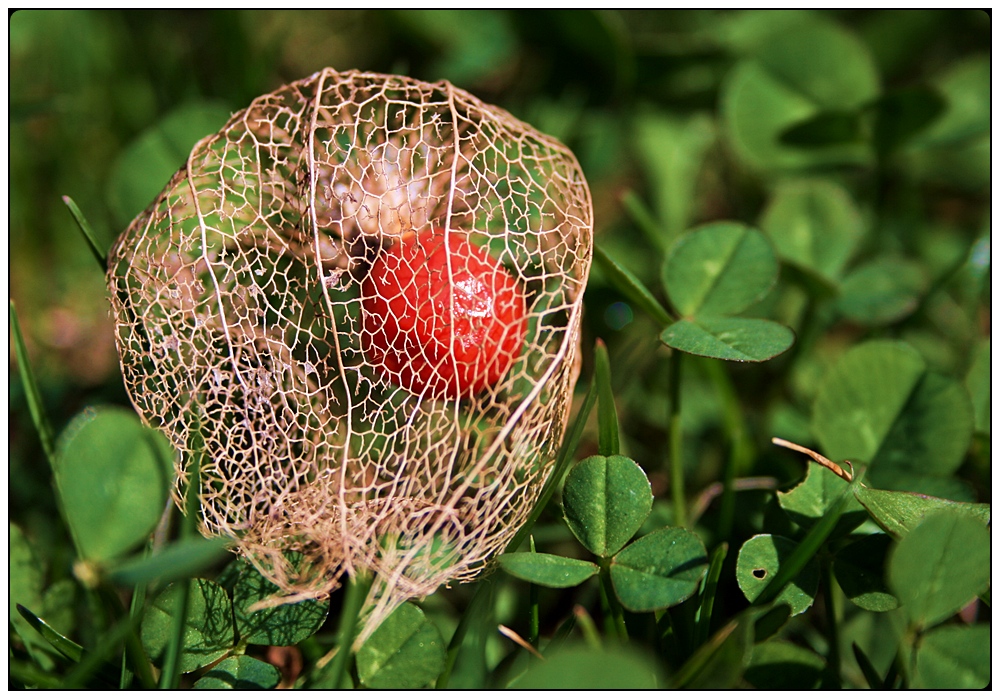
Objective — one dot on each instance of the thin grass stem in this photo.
(354, 598)
(676, 445)
(31, 391)
(88, 233)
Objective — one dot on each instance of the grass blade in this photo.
(69, 649)
(867, 669)
(676, 436)
(633, 289)
(354, 598)
(88, 233)
(741, 450)
(476, 612)
(701, 658)
(179, 560)
(170, 677)
(31, 392)
(135, 654)
(614, 620)
(189, 532)
(607, 416)
(31, 675)
(587, 627)
(533, 615)
(91, 662)
(561, 634)
(711, 584)
(135, 615)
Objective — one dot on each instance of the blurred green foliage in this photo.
(851, 146)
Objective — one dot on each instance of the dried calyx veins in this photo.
(364, 294)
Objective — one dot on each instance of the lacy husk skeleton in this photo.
(237, 303)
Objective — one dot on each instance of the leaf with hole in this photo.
(606, 499)
(208, 628)
(881, 405)
(112, 475)
(240, 672)
(563, 459)
(547, 569)
(761, 558)
(860, 571)
(660, 570)
(733, 339)
(283, 625)
(405, 652)
(938, 567)
(719, 269)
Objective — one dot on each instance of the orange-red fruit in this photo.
(441, 317)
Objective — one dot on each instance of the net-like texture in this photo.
(250, 322)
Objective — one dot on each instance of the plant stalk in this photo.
(741, 450)
(32, 392)
(711, 584)
(134, 652)
(832, 623)
(354, 598)
(676, 445)
(88, 234)
(533, 618)
(171, 664)
(476, 608)
(615, 616)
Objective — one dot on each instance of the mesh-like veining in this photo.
(247, 311)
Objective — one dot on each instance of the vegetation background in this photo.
(678, 118)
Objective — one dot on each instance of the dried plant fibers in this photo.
(239, 295)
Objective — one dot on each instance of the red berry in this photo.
(441, 317)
